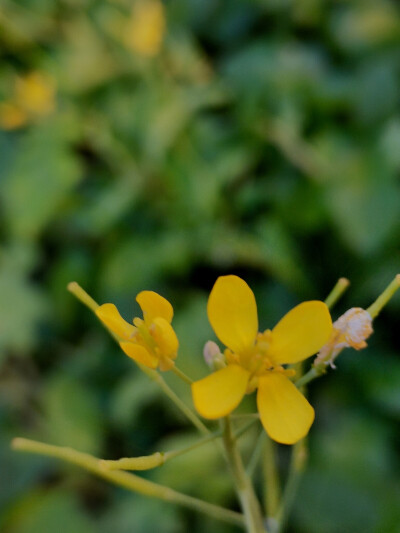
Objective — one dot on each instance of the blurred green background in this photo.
(156, 146)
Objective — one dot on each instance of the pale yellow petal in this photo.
(301, 332)
(285, 413)
(139, 354)
(232, 312)
(111, 318)
(153, 305)
(221, 392)
(165, 337)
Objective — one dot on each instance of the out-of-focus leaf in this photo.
(23, 306)
(136, 263)
(72, 415)
(139, 514)
(48, 510)
(131, 395)
(41, 178)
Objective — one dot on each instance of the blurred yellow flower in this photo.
(150, 341)
(146, 27)
(11, 116)
(34, 96)
(254, 360)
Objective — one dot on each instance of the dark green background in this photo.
(263, 140)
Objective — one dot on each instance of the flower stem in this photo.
(297, 465)
(248, 499)
(181, 375)
(272, 493)
(148, 462)
(128, 481)
(256, 455)
(337, 291)
(82, 295)
(155, 376)
(383, 298)
(314, 372)
(87, 300)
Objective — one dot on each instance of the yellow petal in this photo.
(285, 414)
(110, 316)
(220, 393)
(139, 354)
(153, 305)
(165, 337)
(232, 312)
(301, 333)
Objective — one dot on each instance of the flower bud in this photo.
(213, 356)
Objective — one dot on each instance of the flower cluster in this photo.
(252, 360)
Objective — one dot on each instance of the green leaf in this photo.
(72, 415)
(40, 179)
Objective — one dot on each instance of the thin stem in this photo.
(314, 372)
(337, 291)
(245, 416)
(159, 458)
(272, 493)
(155, 376)
(320, 368)
(87, 300)
(383, 298)
(297, 465)
(181, 375)
(256, 455)
(82, 295)
(248, 499)
(128, 481)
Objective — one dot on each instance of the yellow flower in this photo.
(34, 97)
(12, 117)
(145, 30)
(254, 360)
(35, 93)
(150, 341)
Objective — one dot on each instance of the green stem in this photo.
(79, 293)
(383, 299)
(87, 300)
(247, 497)
(155, 376)
(256, 455)
(314, 372)
(337, 291)
(159, 458)
(128, 481)
(181, 375)
(272, 493)
(297, 465)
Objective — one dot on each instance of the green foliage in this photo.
(263, 139)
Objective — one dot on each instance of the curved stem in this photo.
(128, 481)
